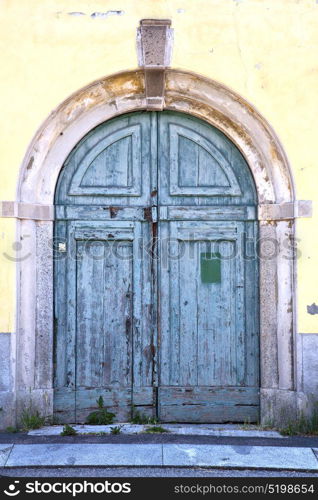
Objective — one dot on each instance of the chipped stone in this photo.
(313, 309)
(107, 14)
(76, 14)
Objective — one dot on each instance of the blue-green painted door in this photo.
(104, 285)
(156, 279)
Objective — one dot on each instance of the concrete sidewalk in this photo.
(159, 455)
(183, 445)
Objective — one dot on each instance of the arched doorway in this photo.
(156, 274)
(34, 208)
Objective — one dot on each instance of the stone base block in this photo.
(280, 407)
(7, 412)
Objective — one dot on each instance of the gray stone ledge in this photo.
(285, 211)
(31, 211)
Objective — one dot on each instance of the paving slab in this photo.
(5, 450)
(84, 454)
(263, 457)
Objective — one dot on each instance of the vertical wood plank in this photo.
(187, 282)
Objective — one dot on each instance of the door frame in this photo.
(34, 209)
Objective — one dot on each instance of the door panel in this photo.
(114, 165)
(107, 316)
(198, 165)
(208, 404)
(203, 334)
(103, 319)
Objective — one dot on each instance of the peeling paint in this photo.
(313, 309)
(113, 212)
(30, 163)
(107, 14)
(75, 14)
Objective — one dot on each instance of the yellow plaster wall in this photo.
(266, 50)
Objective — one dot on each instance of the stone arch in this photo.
(185, 92)
(247, 129)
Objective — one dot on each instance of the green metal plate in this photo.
(210, 267)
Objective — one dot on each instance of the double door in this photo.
(156, 304)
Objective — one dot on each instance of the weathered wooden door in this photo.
(208, 283)
(156, 276)
(104, 285)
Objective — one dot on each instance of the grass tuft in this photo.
(302, 426)
(68, 430)
(140, 419)
(12, 429)
(31, 420)
(156, 429)
(116, 429)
